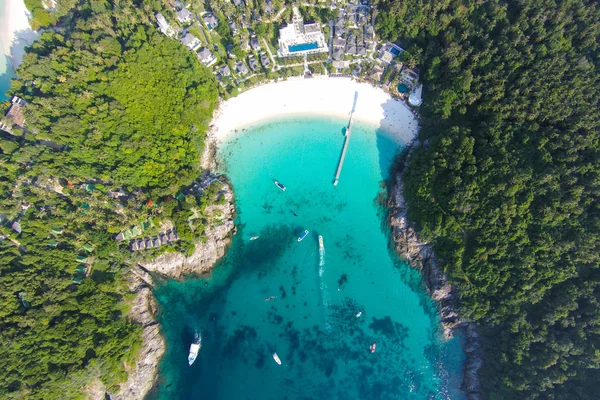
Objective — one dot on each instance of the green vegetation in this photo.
(117, 114)
(506, 182)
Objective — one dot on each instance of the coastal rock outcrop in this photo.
(209, 251)
(420, 255)
(142, 375)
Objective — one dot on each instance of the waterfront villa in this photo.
(389, 51)
(415, 96)
(298, 38)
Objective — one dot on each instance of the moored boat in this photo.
(276, 358)
(373, 347)
(279, 185)
(194, 348)
(321, 251)
(304, 234)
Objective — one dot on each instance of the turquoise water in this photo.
(302, 47)
(6, 72)
(402, 88)
(312, 320)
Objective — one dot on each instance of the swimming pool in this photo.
(402, 88)
(303, 47)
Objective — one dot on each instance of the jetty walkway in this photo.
(346, 142)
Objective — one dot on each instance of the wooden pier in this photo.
(346, 142)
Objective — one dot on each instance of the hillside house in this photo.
(210, 20)
(14, 117)
(184, 16)
(191, 41)
(241, 68)
(164, 26)
(206, 57)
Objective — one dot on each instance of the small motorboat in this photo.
(373, 347)
(359, 314)
(194, 348)
(276, 358)
(269, 298)
(304, 234)
(279, 185)
(254, 237)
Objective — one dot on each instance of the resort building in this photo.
(298, 38)
(241, 68)
(268, 6)
(164, 26)
(233, 27)
(210, 20)
(415, 96)
(184, 16)
(254, 43)
(14, 117)
(191, 41)
(252, 63)
(223, 72)
(264, 60)
(389, 51)
(410, 76)
(206, 57)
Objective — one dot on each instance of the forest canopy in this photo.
(116, 116)
(506, 180)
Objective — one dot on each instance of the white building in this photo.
(184, 16)
(389, 51)
(206, 57)
(298, 38)
(191, 41)
(164, 26)
(415, 96)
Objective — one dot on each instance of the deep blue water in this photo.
(311, 322)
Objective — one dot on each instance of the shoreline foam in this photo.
(331, 97)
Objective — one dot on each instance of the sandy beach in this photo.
(315, 96)
(16, 33)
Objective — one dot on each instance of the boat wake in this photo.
(322, 285)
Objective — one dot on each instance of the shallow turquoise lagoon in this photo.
(312, 320)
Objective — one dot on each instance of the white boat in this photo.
(321, 251)
(304, 234)
(276, 358)
(359, 314)
(254, 237)
(280, 186)
(194, 348)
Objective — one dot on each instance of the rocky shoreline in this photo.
(143, 375)
(420, 255)
(218, 238)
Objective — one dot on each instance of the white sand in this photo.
(316, 96)
(16, 33)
